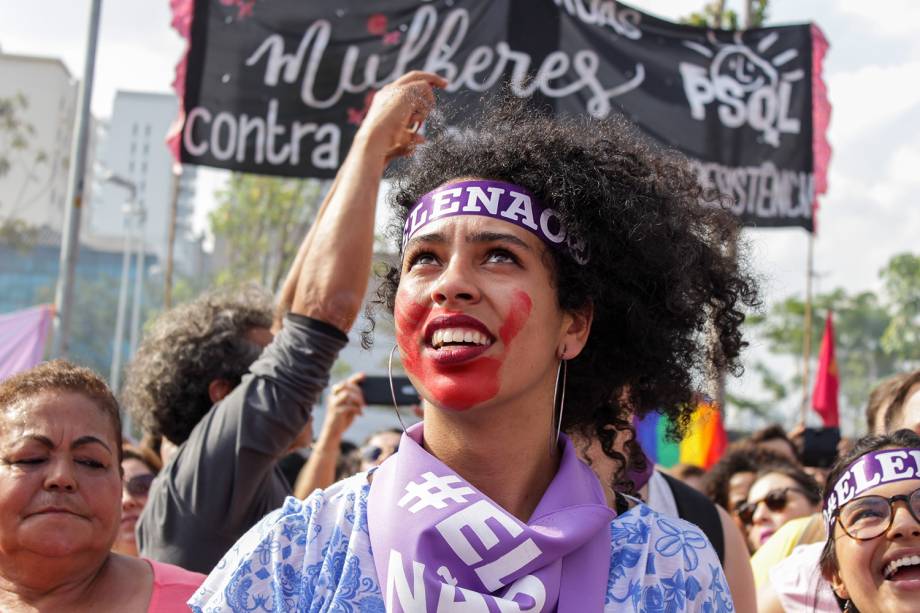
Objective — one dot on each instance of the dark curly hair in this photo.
(61, 375)
(661, 265)
(742, 458)
(774, 432)
(188, 347)
(829, 564)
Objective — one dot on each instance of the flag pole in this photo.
(748, 13)
(807, 327)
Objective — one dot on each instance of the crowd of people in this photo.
(552, 279)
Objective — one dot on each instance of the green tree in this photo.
(261, 222)
(859, 322)
(15, 132)
(772, 382)
(18, 235)
(901, 277)
(15, 136)
(715, 15)
(875, 336)
(95, 311)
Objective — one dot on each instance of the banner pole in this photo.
(807, 327)
(720, 11)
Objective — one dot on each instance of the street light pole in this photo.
(171, 239)
(138, 280)
(70, 239)
(115, 370)
(129, 209)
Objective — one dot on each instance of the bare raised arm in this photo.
(329, 276)
(286, 298)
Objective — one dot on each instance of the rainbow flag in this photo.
(704, 444)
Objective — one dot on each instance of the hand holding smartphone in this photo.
(376, 390)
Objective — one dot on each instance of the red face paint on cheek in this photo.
(521, 305)
(480, 381)
(410, 322)
(463, 386)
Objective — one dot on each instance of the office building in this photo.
(41, 95)
(133, 147)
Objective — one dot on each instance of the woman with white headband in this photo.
(554, 274)
(872, 514)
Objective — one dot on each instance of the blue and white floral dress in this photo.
(315, 555)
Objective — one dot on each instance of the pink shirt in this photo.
(798, 583)
(172, 586)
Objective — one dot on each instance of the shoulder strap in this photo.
(697, 509)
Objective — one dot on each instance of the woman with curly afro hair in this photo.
(554, 275)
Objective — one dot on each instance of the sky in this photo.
(870, 213)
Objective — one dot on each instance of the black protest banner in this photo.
(279, 87)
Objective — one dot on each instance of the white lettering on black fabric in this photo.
(764, 191)
(559, 75)
(227, 136)
(747, 88)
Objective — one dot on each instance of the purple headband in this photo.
(498, 200)
(869, 471)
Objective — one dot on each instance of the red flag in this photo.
(827, 383)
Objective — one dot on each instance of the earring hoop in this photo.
(561, 373)
(393, 387)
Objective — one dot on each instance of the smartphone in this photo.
(819, 447)
(376, 390)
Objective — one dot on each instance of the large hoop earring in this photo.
(393, 387)
(559, 398)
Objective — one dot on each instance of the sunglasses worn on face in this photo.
(776, 500)
(867, 517)
(372, 453)
(139, 486)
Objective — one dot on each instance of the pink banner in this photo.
(22, 339)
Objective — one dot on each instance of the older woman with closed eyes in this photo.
(61, 501)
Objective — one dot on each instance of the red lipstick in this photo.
(455, 320)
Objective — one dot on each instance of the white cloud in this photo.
(863, 99)
(905, 166)
(137, 48)
(888, 18)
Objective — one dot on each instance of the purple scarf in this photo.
(440, 544)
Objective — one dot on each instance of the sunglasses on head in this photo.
(776, 500)
(870, 516)
(139, 486)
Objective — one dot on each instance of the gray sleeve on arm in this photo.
(225, 475)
